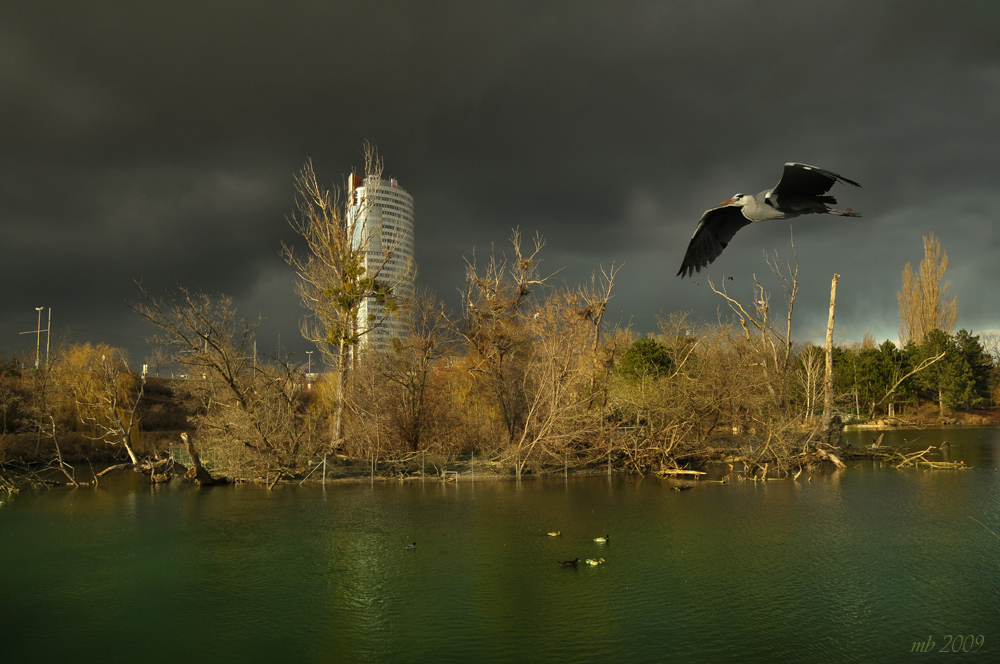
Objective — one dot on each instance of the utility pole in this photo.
(309, 367)
(48, 339)
(38, 335)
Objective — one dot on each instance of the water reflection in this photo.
(848, 566)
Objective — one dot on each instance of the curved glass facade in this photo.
(381, 217)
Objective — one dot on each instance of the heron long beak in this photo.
(728, 201)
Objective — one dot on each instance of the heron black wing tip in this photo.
(688, 270)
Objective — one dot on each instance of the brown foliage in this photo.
(253, 409)
(924, 303)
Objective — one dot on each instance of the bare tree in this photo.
(493, 306)
(595, 297)
(558, 379)
(407, 370)
(991, 344)
(760, 369)
(774, 344)
(372, 401)
(158, 360)
(338, 273)
(924, 304)
(8, 400)
(713, 391)
(208, 338)
(255, 405)
(810, 369)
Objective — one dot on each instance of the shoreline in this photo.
(359, 470)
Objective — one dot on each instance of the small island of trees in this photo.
(526, 379)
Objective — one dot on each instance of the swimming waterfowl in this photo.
(411, 546)
(594, 561)
(568, 563)
(602, 540)
(555, 533)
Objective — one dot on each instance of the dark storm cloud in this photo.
(158, 142)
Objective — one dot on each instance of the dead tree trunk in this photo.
(197, 472)
(828, 387)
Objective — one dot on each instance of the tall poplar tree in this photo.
(924, 303)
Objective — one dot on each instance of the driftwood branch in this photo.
(918, 458)
(923, 365)
(671, 471)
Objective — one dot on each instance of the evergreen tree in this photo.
(645, 358)
(952, 382)
(977, 364)
(889, 368)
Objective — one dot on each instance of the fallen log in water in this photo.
(826, 455)
(913, 459)
(898, 459)
(945, 465)
(920, 460)
(668, 472)
(159, 470)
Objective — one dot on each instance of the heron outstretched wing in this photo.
(806, 180)
(716, 228)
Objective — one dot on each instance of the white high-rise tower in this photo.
(381, 219)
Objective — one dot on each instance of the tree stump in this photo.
(197, 472)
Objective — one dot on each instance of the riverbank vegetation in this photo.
(525, 383)
(528, 378)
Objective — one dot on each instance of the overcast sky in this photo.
(158, 142)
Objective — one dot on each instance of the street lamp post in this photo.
(309, 354)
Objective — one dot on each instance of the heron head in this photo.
(738, 199)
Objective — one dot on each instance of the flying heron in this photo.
(801, 190)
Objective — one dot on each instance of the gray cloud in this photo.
(159, 143)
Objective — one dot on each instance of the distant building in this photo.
(382, 225)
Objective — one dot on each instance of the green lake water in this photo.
(854, 566)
